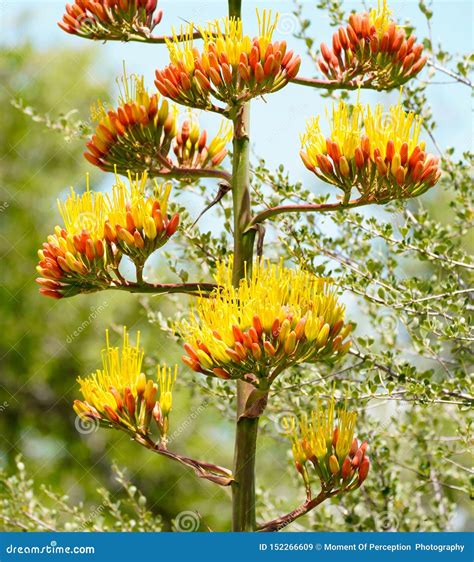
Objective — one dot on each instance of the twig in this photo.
(193, 289)
(207, 471)
(281, 522)
(450, 73)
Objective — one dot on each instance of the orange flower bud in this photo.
(333, 465)
(364, 469)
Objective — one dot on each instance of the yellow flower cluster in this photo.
(232, 66)
(330, 447)
(98, 230)
(190, 146)
(377, 152)
(141, 131)
(120, 394)
(275, 318)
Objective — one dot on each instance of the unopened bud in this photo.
(333, 464)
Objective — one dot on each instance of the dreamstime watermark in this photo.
(187, 522)
(4, 206)
(187, 422)
(387, 522)
(389, 323)
(51, 548)
(287, 23)
(3, 406)
(86, 221)
(95, 313)
(285, 422)
(93, 516)
(87, 22)
(86, 426)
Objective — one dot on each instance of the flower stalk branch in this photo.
(283, 521)
(194, 289)
(308, 208)
(207, 471)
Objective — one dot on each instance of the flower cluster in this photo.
(277, 317)
(373, 51)
(378, 153)
(232, 67)
(74, 259)
(111, 19)
(138, 225)
(190, 146)
(84, 255)
(339, 462)
(120, 395)
(141, 131)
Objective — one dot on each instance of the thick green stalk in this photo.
(235, 8)
(243, 489)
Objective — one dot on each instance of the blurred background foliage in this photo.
(410, 375)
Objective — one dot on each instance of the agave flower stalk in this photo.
(337, 459)
(83, 256)
(328, 448)
(136, 224)
(121, 396)
(75, 258)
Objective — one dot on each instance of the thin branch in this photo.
(207, 471)
(325, 84)
(310, 208)
(181, 173)
(427, 479)
(450, 73)
(281, 522)
(39, 522)
(136, 38)
(194, 289)
(14, 523)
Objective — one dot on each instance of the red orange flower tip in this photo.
(140, 133)
(111, 19)
(121, 395)
(98, 230)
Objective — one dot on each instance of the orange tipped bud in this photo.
(359, 158)
(364, 469)
(111, 414)
(333, 465)
(346, 468)
(173, 225)
(129, 401)
(221, 373)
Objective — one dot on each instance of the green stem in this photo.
(307, 208)
(235, 8)
(244, 237)
(197, 289)
(243, 489)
